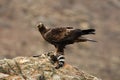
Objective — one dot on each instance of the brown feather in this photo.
(62, 36)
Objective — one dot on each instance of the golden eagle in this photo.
(62, 36)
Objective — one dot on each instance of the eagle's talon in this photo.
(59, 65)
(53, 59)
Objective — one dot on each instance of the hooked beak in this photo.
(40, 25)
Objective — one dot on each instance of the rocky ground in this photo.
(20, 37)
(40, 68)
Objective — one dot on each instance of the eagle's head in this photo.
(41, 28)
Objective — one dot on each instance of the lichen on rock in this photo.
(39, 68)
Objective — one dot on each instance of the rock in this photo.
(39, 68)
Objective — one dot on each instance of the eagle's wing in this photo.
(58, 34)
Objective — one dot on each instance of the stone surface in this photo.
(39, 68)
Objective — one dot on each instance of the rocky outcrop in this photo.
(39, 68)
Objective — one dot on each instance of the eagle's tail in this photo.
(88, 31)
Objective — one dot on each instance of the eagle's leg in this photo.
(60, 57)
